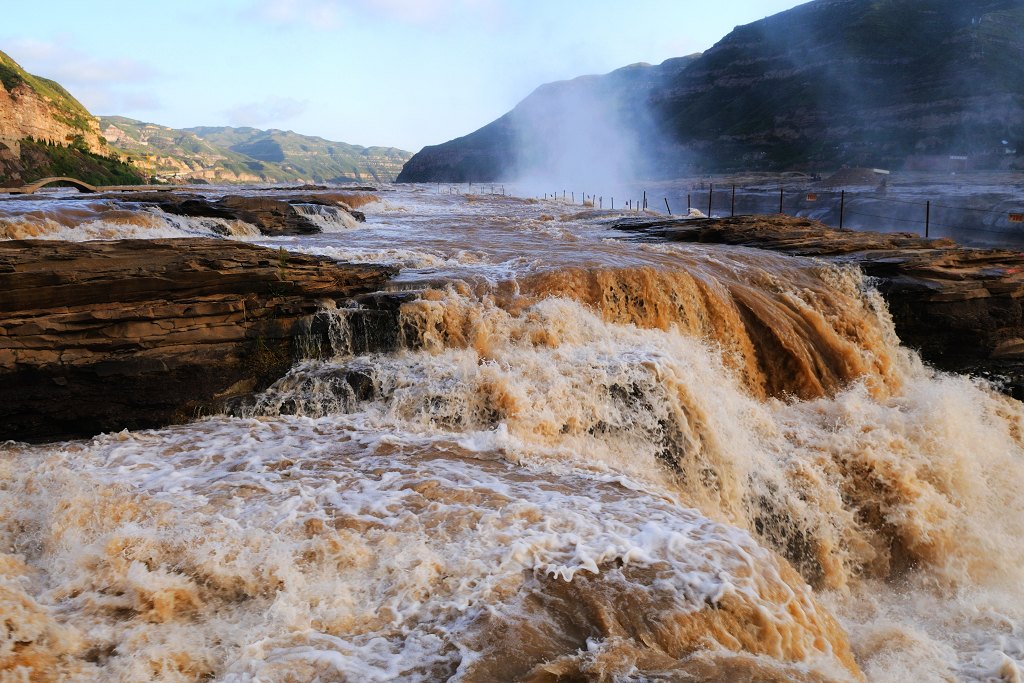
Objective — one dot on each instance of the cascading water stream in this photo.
(585, 459)
(78, 220)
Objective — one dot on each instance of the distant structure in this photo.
(32, 188)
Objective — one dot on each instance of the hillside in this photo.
(38, 108)
(860, 82)
(248, 154)
(891, 83)
(309, 157)
(44, 131)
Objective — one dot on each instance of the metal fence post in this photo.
(842, 207)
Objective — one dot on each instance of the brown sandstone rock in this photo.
(100, 336)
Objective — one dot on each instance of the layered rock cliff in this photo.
(38, 108)
(856, 82)
(890, 84)
(100, 336)
(44, 131)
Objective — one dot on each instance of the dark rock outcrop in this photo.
(100, 336)
(855, 82)
(960, 307)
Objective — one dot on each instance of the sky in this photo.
(401, 73)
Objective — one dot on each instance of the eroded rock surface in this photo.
(100, 336)
(273, 216)
(960, 307)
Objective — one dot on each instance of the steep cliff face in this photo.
(859, 82)
(890, 83)
(38, 108)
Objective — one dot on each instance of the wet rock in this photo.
(959, 307)
(102, 336)
(371, 325)
(273, 216)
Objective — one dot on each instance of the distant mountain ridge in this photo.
(225, 154)
(889, 83)
(45, 131)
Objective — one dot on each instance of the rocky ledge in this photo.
(959, 307)
(273, 216)
(101, 336)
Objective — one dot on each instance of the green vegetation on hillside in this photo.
(44, 160)
(309, 157)
(250, 154)
(168, 152)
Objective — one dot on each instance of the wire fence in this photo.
(998, 220)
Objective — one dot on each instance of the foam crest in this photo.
(294, 551)
(327, 218)
(585, 460)
(80, 221)
(914, 484)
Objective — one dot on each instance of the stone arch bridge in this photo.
(32, 188)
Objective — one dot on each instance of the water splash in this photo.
(604, 461)
(106, 220)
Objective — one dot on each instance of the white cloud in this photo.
(321, 14)
(110, 101)
(66, 64)
(104, 86)
(272, 110)
(333, 14)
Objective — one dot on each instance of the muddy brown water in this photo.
(591, 460)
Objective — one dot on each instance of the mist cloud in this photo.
(595, 134)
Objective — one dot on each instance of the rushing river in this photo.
(591, 460)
